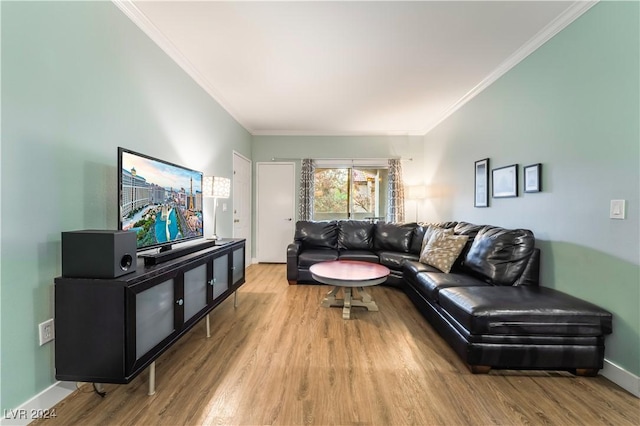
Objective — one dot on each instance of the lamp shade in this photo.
(216, 187)
(416, 192)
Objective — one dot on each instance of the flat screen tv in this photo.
(160, 200)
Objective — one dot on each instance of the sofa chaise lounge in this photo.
(489, 307)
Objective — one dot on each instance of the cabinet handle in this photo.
(180, 302)
(233, 268)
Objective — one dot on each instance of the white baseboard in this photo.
(40, 406)
(621, 377)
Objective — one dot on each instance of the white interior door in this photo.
(275, 195)
(242, 202)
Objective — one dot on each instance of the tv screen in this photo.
(159, 200)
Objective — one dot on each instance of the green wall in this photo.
(80, 79)
(573, 106)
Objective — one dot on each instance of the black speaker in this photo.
(98, 254)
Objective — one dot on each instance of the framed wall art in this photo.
(481, 192)
(533, 178)
(505, 181)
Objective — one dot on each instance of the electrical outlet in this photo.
(46, 332)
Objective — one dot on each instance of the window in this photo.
(349, 193)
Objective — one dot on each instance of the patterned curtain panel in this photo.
(305, 211)
(395, 193)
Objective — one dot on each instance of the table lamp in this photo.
(216, 187)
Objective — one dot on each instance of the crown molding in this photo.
(336, 133)
(158, 37)
(563, 20)
(572, 13)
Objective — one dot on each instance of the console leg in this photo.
(152, 379)
(293, 282)
(480, 369)
(235, 299)
(208, 327)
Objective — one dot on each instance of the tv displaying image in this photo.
(159, 200)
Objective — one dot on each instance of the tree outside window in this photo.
(349, 193)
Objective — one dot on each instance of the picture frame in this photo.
(481, 183)
(505, 181)
(533, 178)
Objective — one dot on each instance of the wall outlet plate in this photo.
(617, 209)
(46, 331)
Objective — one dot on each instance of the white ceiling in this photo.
(348, 67)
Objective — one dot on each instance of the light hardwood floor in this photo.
(280, 358)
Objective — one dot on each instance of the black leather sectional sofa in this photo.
(490, 308)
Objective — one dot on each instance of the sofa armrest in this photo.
(293, 250)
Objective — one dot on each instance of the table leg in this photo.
(330, 298)
(346, 310)
(367, 300)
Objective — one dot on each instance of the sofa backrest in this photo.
(499, 255)
(393, 237)
(317, 235)
(355, 235)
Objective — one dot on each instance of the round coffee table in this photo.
(346, 275)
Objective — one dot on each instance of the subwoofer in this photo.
(98, 254)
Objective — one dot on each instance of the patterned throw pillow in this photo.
(442, 250)
(431, 230)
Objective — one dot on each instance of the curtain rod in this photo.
(343, 159)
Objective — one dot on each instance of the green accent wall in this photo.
(80, 79)
(574, 106)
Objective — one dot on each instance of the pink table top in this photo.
(348, 271)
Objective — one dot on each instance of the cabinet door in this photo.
(220, 275)
(154, 316)
(195, 291)
(238, 265)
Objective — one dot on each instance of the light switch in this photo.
(617, 209)
(224, 207)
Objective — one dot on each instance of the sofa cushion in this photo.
(416, 238)
(499, 255)
(313, 256)
(355, 235)
(429, 284)
(466, 228)
(430, 232)
(471, 230)
(442, 250)
(362, 255)
(524, 310)
(412, 267)
(317, 235)
(392, 237)
(395, 260)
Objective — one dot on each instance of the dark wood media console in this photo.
(110, 330)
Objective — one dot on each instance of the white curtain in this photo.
(395, 193)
